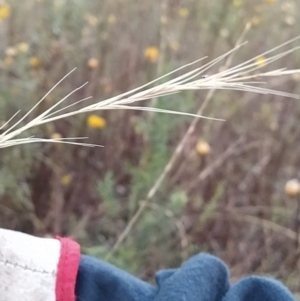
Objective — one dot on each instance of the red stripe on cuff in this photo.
(67, 270)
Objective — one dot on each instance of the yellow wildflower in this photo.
(93, 63)
(23, 47)
(151, 54)
(111, 19)
(4, 11)
(202, 148)
(270, 1)
(35, 62)
(183, 12)
(66, 179)
(292, 188)
(96, 122)
(237, 3)
(261, 61)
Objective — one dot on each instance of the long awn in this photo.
(242, 77)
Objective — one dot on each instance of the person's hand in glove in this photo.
(35, 269)
(202, 278)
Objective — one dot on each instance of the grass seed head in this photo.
(292, 188)
(203, 148)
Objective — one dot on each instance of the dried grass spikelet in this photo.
(93, 63)
(292, 188)
(56, 136)
(202, 148)
(3, 125)
(242, 77)
(11, 51)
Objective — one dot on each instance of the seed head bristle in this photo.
(238, 78)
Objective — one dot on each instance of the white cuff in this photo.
(35, 269)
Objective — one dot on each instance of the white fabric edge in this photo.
(28, 267)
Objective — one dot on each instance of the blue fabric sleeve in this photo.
(201, 278)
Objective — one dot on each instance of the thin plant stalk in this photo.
(162, 44)
(168, 167)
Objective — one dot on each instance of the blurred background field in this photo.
(226, 192)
